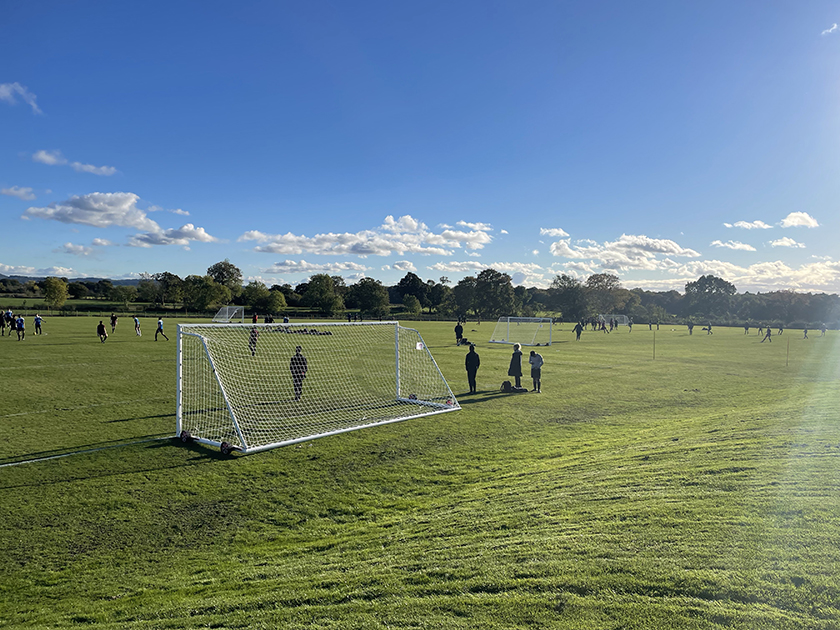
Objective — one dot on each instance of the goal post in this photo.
(252, 387)
(526, 331)
(229, 314)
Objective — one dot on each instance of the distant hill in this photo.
(25, 279)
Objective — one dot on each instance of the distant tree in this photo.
(202, 293)
(103, 288)
(568, 296)
(292, 298)
(494, 295)
(411, 284)
(261, 299)
(55, 292)
(124, 294)
(148, 290)
(601, 291)
(437, 294)
(709, 295)
(227, 274)
(464, 293)
(171, 287)
(320, 294)
(411, 304)
(370, 297)
(78, 290)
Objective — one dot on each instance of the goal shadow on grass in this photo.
(39, 469)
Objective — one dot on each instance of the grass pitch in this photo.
(698, 489)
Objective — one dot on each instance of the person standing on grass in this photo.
(515, 369)
(113, 323)
(137, 327)
(709, 329)
(38, 320)
(159, 330)
(298, 366)
(746, 329)
(806, 334)
(822, 330)
(690, 328)
(578, 329)
(252, 341)
(459, 333)
(768, 335)
(472, 363)
(3, 325)
(21, 330)
(536, 362)
(100, 330)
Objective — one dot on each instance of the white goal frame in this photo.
(227, 314)
(526, 331)
(620, 320)
(234, 382)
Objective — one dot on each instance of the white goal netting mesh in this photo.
(230, 314)
(247, 385)
(527, 331)
(618, 320)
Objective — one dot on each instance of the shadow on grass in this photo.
(160, 415)
(122, 466)
(483, 396)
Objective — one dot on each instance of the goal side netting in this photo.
(230, 314)
(527, 331)
(618, 320)
(247, 387)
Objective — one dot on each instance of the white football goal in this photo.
(251, 387)
(527, 331)
(619, 320)
(229, 314)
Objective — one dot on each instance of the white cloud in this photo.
(749, 225)
(51, 158)
(404, 265)
(183, 213)
(394, 236)
(628, 252)
(554, 232)
(799, 219)
(830, 30)
(75, 250)
(733, 245)
(90, 168)
(458, 267)
(55, 158)
(183, 235)
(293, 266)
(786, 242)
(101, 242)
(17, 270)
(536, 252)
(20, 192)
(503, 232)
(10, 91)
(99, 210)
(479, 227)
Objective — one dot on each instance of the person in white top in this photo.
(536, 362)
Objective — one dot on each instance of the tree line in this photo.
(489, 294)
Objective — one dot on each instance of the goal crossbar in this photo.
(526, 331)
(241, 385)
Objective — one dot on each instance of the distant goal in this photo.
(228, 314)
(619, 320)
(245, 387)
(527, 331)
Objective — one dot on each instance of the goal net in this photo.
(527, 331)
(251, 387)
(230, 313)
(619, 320)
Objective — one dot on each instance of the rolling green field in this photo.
(699, 489)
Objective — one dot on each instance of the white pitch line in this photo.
(89, 450)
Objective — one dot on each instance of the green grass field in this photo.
(699, 489)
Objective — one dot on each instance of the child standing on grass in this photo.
(515, 369)
(21, 330)
(38, 321)
(159, 330)
(536, 362)
(137, 327)
(100, 330)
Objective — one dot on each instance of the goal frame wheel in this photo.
(226, 448)
(185, 436)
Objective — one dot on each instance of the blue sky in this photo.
(658, 141)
